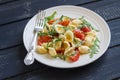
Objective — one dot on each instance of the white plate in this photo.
(72, 11)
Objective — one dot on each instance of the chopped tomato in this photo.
(75, 57)
(43, 39)
(51, 21)
(85, 29)
(64, 23)
(79, 34)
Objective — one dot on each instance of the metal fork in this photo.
(39, 23)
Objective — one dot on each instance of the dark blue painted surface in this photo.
(14, 14)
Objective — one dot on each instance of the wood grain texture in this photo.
(108, 9)
(13, 34)
(11, 62)
(26, 8)
(105, 68)
(6, 1)
(115, 32)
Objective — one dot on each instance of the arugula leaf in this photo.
(58, 39)
(52, 32)
(61, 56)
(86, 23)
(42, 34)
(94, 49)
(51, 16)
(81, 18)
(61, 18)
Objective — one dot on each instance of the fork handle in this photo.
(29, 59)
(34, 40)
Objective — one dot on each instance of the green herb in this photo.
(94, 49)
(46, 27)
(81, 18)
(61, 18)
(51, 16)
(65, 28)
(52, 32)
(61, 56)
(42, 34)
(48, 45)
(58, 39)
(86, 23)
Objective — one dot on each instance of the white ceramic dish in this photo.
(72, 11)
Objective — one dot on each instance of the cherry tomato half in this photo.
(43, 39)
(79, 34)
(52, 21)
(75, 57)
(85, 29)
(64, 23)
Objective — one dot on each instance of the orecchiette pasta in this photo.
(89, 40)
(58, 45)
(52, 51)
(66, 45)
(69, 36)
(41, 50)
(59, 28)
(84, 49)
(63, 37)
(92, 33)
(69, 51)
(75, 23)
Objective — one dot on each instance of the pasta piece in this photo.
(69, 51)
(58, 44)
(73, 44)
(44, 45)
(62, 37)
(92, 33)
(59, 28)
(49, 26)
(84, 49)
(77, 40)
(69, 36)
(75, 23)
(52, 51)
(66, 45)
(41, 50)
(89, 40)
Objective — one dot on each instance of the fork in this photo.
(39, 23)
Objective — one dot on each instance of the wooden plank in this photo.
(108, 9)
(26, 8)
(11, 62)
(105, 68)
(12, 34)
(23, 9)
(13, 11)
(115, 32)
(6, 1)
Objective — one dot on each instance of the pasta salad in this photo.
(67, 38)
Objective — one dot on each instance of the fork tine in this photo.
(37, 18)
(42, 18)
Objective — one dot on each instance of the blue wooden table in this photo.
(14, 15)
